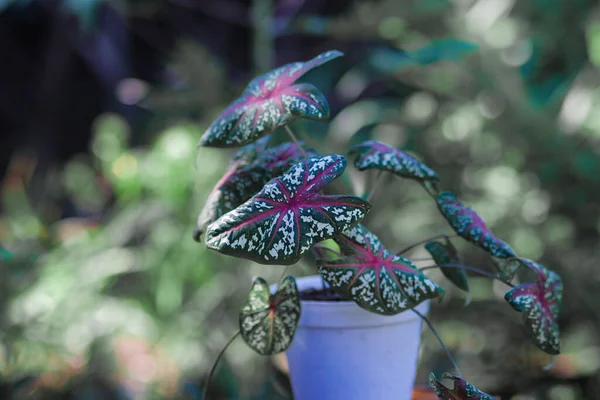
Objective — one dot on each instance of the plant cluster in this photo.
(270, 207)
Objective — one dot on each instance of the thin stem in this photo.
(375, 185)
(295, 140)
(468, 268)
(214, 367)
(283, 274)
(412, 246)
(424, 318)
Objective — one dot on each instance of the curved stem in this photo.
(424, 318)
(375, 185)
(468, 268)
(295, 140)
(283, 274)
(320, 246)
(412, 246)
(214, 367)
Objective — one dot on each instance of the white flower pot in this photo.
(341, 351)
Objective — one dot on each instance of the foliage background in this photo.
(104, 293)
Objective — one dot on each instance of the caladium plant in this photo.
(270, 207)
(270, 101)
(289, 215)
(462, 389)
(268, 322)
(373, 277)
(539, 302)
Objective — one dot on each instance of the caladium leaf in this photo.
(269, 102)
(540, 303)
(462, 389)
(373, 154)
(268, 322)
(243, 181)
(446, 254)
(289, 215)
(470, 226)
(374, 278)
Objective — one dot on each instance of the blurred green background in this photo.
(103, 292)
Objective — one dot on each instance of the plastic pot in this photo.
(341, 351)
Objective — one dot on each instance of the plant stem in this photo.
(283, 274)
(214, 367)
(375, 185)
(424, 318)
(295, 140)
(412, 246)
(320, 246)
(468, 268)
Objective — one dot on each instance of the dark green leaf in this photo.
(462, 389)
(268, 322)
(446, 254)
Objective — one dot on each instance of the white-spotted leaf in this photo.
(289, 215)
(540, 303)
(269, 102)
(268, 322)
(374, 278)
(462, 389)
(377, 155)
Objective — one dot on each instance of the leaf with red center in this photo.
(446, 254)
(269, 102)
(374, 278)
(540, 303)
(470, 226)
(268, 322)
(462, 389)
(247, 154)
(288, 216)
(252, 169)
(373, 154)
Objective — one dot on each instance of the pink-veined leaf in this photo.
(462, 389)
(268, 322)
(289, 215)
(470, 226)
(377, 155)
(248, 153)
(269, 102)
(540, 303)
(446, 254)
(374, 278)
(251, 168)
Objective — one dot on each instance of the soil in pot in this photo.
(325, 294)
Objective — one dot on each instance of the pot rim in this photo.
(316, 314)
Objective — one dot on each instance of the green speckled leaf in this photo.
(269, 102)
(289, 215)
(540, 303)
(446, 254)
(470, 226)
(268, 322)
(462, 389)
(251, 168)
(376, 155)
(374, 278)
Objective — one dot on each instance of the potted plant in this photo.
(360, 318)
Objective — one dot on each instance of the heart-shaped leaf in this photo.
(446, 254)
(462, 389)
(373, 154)
(470, 226)
(269, 102)
(268, 322)
(540, 303)
(376, 279)
(243, 181)
(288, 216)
